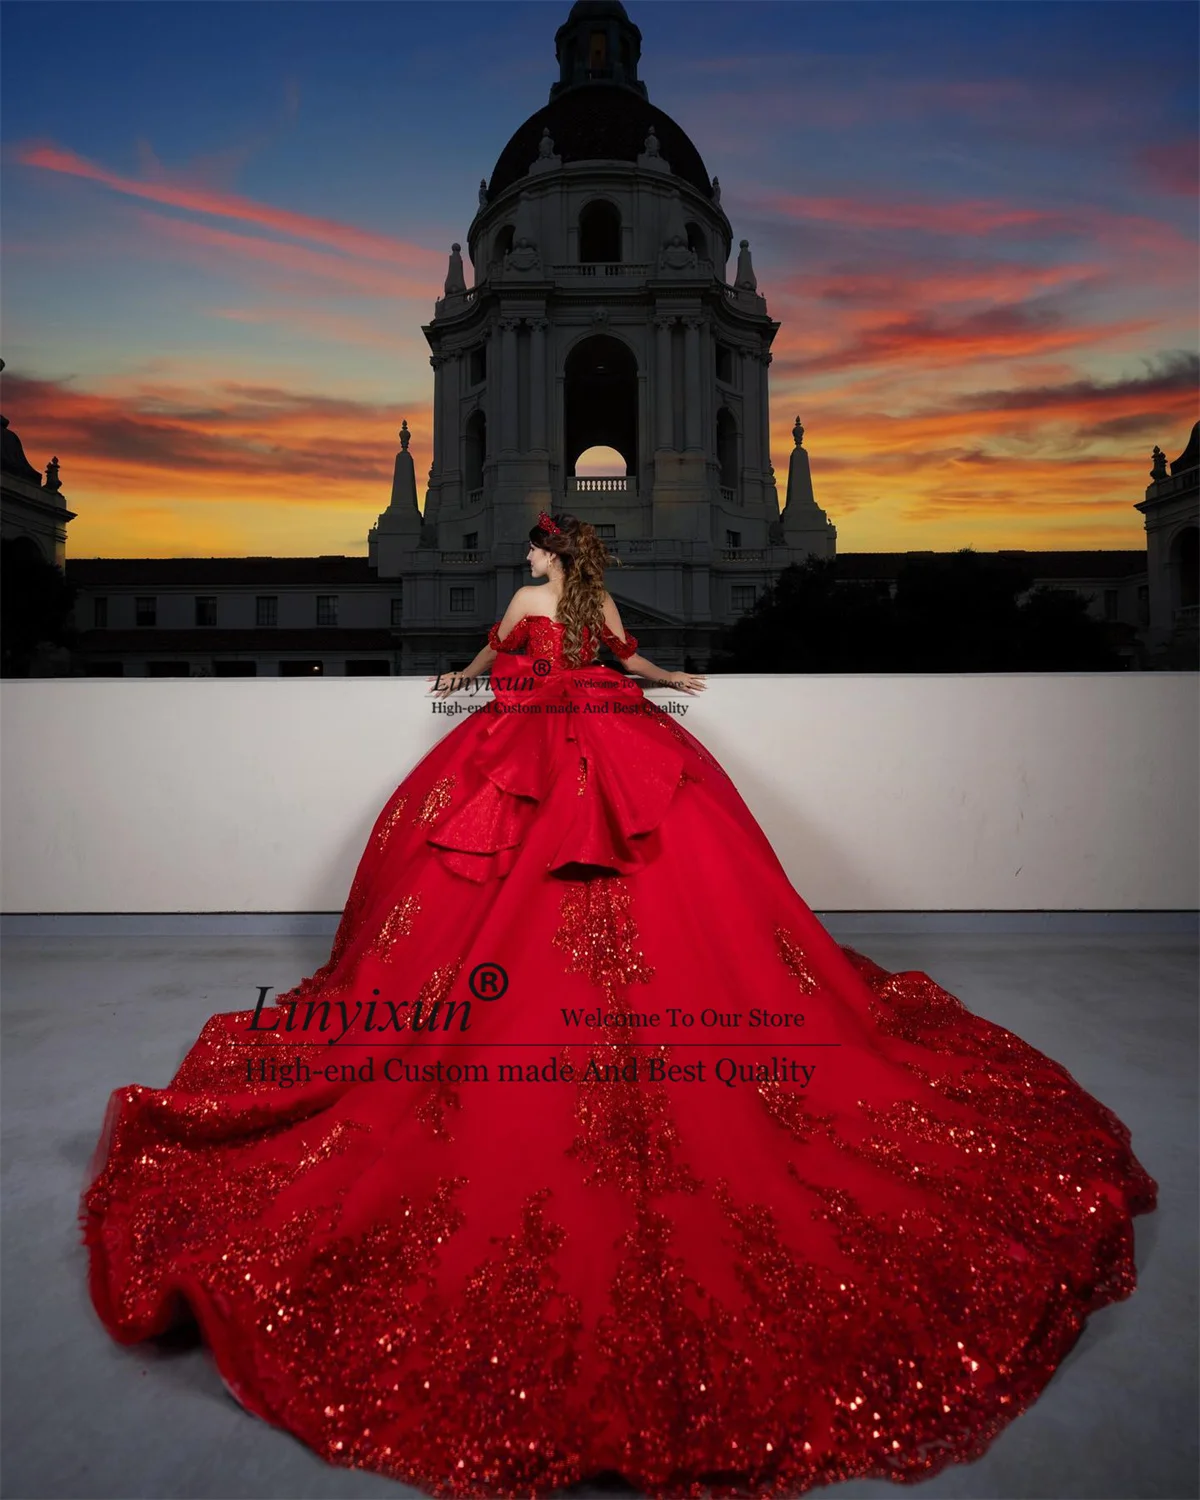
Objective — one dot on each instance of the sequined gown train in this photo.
(614, 1159)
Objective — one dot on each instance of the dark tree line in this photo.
(959, 612)
(35, 606)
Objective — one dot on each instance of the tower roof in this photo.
(594, 9)
(598, 108)
(599, 122)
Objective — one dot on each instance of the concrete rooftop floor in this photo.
(86, 1418)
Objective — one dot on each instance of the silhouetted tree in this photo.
(954, 613)
(808, 622)
(1056, 634)
(35, 605)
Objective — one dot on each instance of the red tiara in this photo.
(548, 524)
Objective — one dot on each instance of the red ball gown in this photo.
(590, 1150)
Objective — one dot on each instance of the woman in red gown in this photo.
(589, 1149)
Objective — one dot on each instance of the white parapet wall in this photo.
(989, 792)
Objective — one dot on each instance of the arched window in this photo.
(475, 454)
(504, 242)
(599, 233)
(697, 241)
(727, 444)
(601, 462)
(1187, 563)
(601, 400)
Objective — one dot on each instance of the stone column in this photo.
(662, 381)
(765, 404)
(440, 436)
(751, 421)
(692, 386)
(451, 411)
(537, 382)
(508, 385)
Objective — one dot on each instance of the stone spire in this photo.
(746, 280)
(802, 522)
(456, 282)
(402, 516)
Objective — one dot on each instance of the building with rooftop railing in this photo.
(599, 317)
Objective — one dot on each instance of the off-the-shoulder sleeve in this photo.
(516, 639)
(622, 648)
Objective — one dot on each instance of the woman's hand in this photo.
(686, 682)
(446, 683)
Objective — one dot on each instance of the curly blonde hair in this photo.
(584, 558)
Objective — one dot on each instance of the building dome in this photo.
(596, 9)
(599, 121)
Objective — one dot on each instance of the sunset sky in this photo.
(223, 226)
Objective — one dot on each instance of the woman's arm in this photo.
(446, 683)
(450, 682)
(686, 682)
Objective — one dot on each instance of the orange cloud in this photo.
(344, 238)
(981, 218)
(345, 275)
(921, 337)
(243, 468)
(1173, 166)
(330, 327)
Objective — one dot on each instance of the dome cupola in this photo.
(597, 43)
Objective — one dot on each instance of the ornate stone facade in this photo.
(1172, 512)
(599, 316)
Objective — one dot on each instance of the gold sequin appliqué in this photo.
(795, 962)
(437, 800)
(678, 1375)
(626, 1134)
(396, 925)
(161, 1200)
(790, 1109)
(599, 935)
(392, 821)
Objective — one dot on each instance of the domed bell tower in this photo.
(600, 316)
(597, 42)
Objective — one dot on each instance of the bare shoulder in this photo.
(612, 615)
(523, 602)
(534, 599)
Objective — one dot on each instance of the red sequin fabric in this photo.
(589, 1150)
(540, 636)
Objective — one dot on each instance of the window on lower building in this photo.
(724, 364)
(301, 668)
(100, 614)
(168, 669)
(327, 609)
(266, 610)
(742, 598)
(235, 669)
(1112, 602)
(733, 538)
(478, 365)
(368, 668)
(470, 541)
(104, 669)
(607, 533)
(145, 611)
(462, 601)
(206, 610)
(398, 610)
